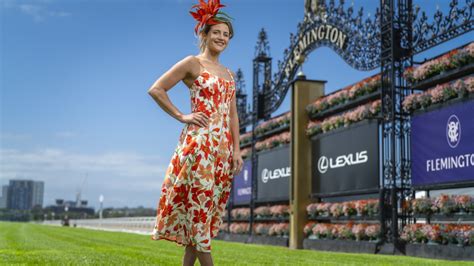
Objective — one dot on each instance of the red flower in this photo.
(199, 215)
(205, 76)
(175, 163)
(196, 163)
(206, 149)
(209, 204)
(189, 148)
(167, 210)
(205, 13)
(181, 194)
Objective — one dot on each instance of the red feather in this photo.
(205, 13)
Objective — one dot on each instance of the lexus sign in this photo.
(274, 174)
(341, 161)
(346, 160)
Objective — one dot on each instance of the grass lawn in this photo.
(34, 244)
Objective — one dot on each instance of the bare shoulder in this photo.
(189, 62)
(191, 65)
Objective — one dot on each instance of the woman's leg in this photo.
(205, 258)
(189, 256)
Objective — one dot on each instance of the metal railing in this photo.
(142, 225)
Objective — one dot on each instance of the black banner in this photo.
(273, 175)
(347, 160)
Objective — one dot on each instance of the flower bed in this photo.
(462, 235)
(277, 122)
(443, 204)
(453, 59)
(246, 138)
(441, 93)
(349, 231)
(276, 211)
(239, 228)
(267, 126)
(272, 229)
(357, 207)
(223, 227)
(273, 141)
(240, 213)
(268, 229)
(345, 95)
(370, 110)
(279, 229)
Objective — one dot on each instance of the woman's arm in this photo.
(234, 128)
(158, 91)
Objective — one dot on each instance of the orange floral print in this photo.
(198, 179)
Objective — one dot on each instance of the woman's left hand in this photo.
(238, 163)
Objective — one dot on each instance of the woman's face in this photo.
(218, 37)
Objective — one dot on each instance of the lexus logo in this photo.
(453, 131)
(325, 163)
(275, 174)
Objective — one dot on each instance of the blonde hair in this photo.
(205, 31)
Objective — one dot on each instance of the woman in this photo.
(198, 179)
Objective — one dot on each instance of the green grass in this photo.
(33, 244)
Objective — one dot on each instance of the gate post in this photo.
(303, 93)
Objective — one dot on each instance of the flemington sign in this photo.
(324, 32)
(242, 188)
(442, 146)
(354, 38)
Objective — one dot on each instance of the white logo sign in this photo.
(325, 163)
(453, 131)
(275, 174)
(246, 176)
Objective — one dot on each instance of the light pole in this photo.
(101, 200)
(66, 218)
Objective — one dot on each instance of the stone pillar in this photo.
(303, 93)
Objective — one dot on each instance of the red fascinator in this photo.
(208, 13)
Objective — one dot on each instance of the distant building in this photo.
(72, 207)
(25, 194)
(38, 194)
(4, 197)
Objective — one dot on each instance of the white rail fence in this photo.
(140, 225)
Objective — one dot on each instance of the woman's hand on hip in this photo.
(198, 118)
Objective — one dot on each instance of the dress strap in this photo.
(230, 73)
(199, 61)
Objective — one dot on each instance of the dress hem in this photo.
(178, 243)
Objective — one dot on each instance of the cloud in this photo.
(127, 177)
(51, 161)
(65, 134)
(7, 136)
(39, 10)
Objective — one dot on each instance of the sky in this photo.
(74, 75)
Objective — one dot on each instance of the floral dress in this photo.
(198, 179)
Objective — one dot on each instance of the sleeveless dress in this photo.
(198, 179)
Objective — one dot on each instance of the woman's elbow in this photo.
(152, 90)
(155, 92)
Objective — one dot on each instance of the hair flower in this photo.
(208, 13)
